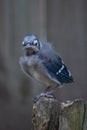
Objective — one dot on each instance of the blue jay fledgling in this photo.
(41, 62)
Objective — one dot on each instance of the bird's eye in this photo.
(35, 42)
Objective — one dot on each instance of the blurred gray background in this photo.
(62, 22)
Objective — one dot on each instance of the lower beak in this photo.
(30, 51)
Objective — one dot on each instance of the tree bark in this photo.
(50, 114)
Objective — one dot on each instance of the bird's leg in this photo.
(47, 93)
(43, 94)
(49, 90)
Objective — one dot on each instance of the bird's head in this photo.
(31, 44)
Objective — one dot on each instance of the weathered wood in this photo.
(49, 114)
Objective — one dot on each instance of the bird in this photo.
(41, 62)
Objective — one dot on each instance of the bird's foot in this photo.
(37, 97)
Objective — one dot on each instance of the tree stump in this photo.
(49, 114)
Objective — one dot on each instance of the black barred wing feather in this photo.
(57, 70)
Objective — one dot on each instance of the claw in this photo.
(37, 97)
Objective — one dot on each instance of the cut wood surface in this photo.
(50, 114)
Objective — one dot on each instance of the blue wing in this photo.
(58, 71)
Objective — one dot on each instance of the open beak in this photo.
(29, 50)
